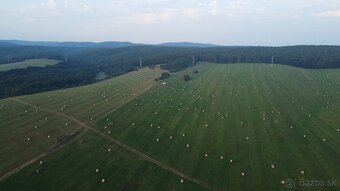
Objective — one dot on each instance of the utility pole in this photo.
(272, 61)
(193, 60)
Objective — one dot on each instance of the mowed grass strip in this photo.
(274, 123)
(28, 63)
(94, 163)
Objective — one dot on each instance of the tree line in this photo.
(82, 64)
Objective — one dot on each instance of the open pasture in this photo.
(28, 63)
(232, 127)
(27, 132)
(91, 102)
(239, 127)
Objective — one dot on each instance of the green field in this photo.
(27, 63)
(232, 127)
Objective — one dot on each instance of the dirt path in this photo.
(116, 142)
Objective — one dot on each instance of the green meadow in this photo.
(28, 63)
(231, 127)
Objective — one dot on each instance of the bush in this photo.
(164, 75)
(186, 78)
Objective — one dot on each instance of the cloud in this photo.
(51, 4)
(332, 14)
(150, 18)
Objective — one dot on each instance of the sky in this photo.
(224, 22)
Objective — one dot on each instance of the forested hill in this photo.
(84, 63)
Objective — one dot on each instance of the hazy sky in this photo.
(227, 22)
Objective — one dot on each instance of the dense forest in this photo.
(80, 65)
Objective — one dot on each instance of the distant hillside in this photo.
(189, 44)
(108, 44)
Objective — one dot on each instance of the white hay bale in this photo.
(302, 172)
(324, 139)
(103, 180)
(188, 145)
(231, 161)
(247, 138)
(182, 181)
(97, 170)
(221, 157)
(291, 127)
(48, 136)
(304, 136)
(243, 174)
(41, 162)
(170, 137)
(35, 127)
(272, 166)
(28, 139)
(109, 150)
(157, 140)
(183, 134)
(206, 155)
(283, 182)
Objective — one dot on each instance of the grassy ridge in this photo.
(96, 100)
(27, 63)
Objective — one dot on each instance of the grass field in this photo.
(27, 63)
(232, 127)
